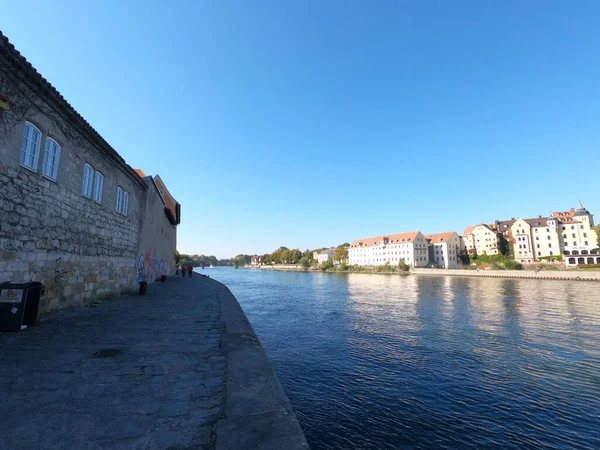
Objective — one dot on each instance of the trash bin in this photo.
(19, 304)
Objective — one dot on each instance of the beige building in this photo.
(480, 239)
(522, 242)
(579, 240)
(412, 247)
(444, 249)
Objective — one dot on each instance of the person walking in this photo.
(183, 271)
(176, 269)
(190, 270)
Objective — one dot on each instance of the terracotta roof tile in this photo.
(469, 230)
(439, 237)
(392, 239)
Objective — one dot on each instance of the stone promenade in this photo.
(179, 368)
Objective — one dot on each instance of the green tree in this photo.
(295, 255)
(326, 265)
(341, 253)
(403, 266)
(305, 263)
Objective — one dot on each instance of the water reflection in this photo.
(387, 362)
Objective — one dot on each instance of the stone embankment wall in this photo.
(525, 274)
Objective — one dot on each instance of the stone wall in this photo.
(49, 231)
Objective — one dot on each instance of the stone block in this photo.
(8, 256)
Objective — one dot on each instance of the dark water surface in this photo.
(389, 362)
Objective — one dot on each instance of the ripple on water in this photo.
(385, 362)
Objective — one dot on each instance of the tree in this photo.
(305, 263)
(403, 266)
(295, 255)
(341, 253)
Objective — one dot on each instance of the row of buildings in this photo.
(73, 214)
(569, 235)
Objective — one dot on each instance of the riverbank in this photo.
(575, 275)
(178, 368)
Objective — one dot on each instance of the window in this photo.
(98, 187)
(548, 237)
(125, 203)
(88, 177)
(584, 234)
(30, 147)
(51, 158)
(572, 227)
(573, 235)
(581, 226)
(119, 200)
(550, 252)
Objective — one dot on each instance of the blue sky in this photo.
(310, 123)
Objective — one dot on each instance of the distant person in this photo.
(176, 269)
(183, 271)
(190, 270)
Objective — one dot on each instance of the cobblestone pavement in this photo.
(166, 388)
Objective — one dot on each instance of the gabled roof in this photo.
(172, 207)
(391, 239)
(469, 230)
(25, 71)
(439, 237)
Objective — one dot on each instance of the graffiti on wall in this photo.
(59, 271)
(149, 268)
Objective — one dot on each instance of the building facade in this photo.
(480, 239)
(325, 255)
(158, 236)
(71, 209)
(255, 260)
(579, 239)
(377, 251)
(444, 250)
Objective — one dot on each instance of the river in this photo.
(423, 362)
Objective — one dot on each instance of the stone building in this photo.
(72, 211)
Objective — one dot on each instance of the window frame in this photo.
(98, 192)
(88, 193)
(119, 205)
(36, 155)
(125, 203)
(54, 175)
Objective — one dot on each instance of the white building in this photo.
(255, 261)
(412, 247)
(444, 249)
(325, 255)
(480, 239)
